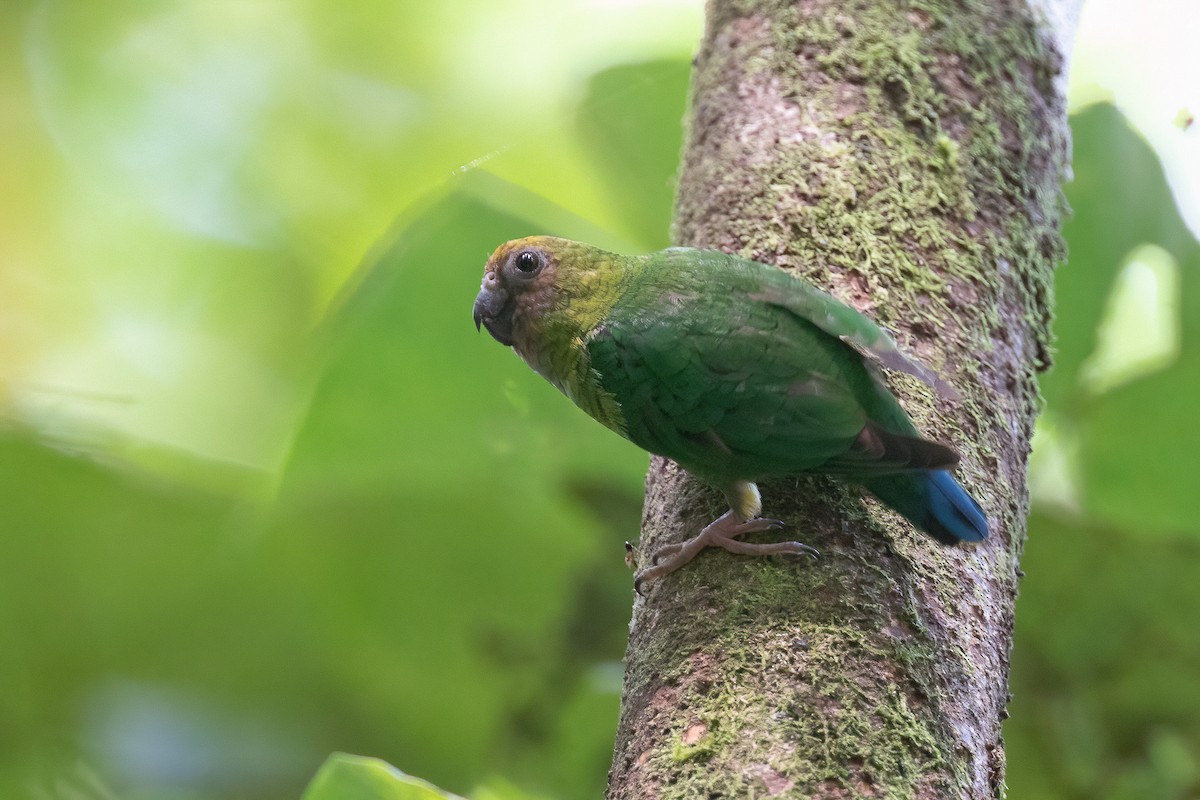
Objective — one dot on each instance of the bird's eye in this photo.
(527, 261)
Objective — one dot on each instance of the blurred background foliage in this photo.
(266, 494)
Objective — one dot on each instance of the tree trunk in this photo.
(908, 157)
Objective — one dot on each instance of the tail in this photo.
(934, 502)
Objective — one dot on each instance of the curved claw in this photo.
(802, 549)
(640, 579)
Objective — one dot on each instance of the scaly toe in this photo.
(666, 551)
(768, 548)
(756, 525)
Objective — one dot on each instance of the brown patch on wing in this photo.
(814, 384)
(710, 440)
(909, 451)
(712, 437)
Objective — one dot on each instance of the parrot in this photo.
(737, 371)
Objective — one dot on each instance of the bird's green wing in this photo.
(728, 386)
(775, 287)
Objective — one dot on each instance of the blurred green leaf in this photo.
(499, 789)
(347, 777)
(1105, 700)
(1119, 199)
(632, 122)
(118, 591)
(430, 513)
(1139, 445)
(1136, 447)
(198, 178)
(1105, 664)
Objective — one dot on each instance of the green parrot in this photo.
(735, 370)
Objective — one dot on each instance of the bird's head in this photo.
(520, 285)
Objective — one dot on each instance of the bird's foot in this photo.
(722, 532)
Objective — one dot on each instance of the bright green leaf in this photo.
(347, 777)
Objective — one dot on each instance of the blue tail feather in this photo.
(934, 502)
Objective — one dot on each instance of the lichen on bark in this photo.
(908, 157)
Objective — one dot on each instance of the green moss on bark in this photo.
(940, 103)
(835, 733)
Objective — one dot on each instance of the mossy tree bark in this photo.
(908, 156)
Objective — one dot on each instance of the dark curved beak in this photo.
(493, 311)
(477, 313)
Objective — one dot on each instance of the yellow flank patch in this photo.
(745, 499)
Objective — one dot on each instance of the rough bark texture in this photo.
(907, 156)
